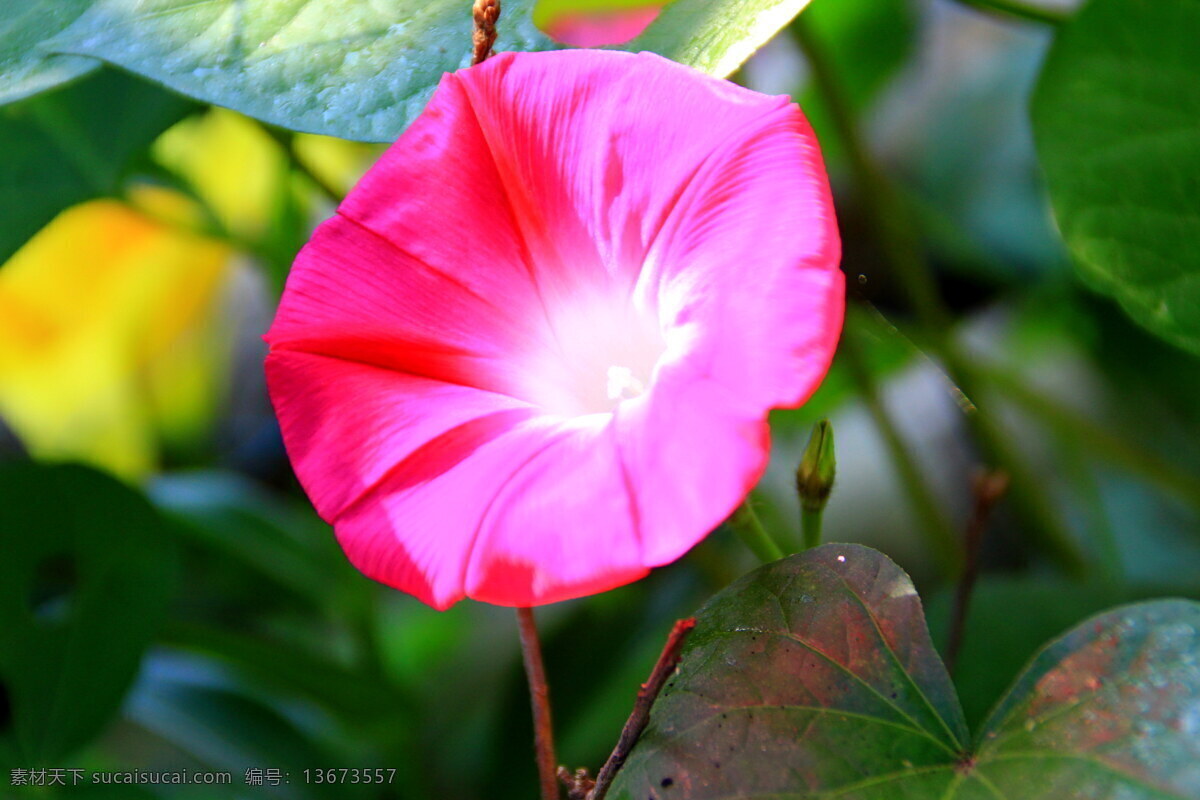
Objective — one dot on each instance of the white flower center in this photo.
(603, 352)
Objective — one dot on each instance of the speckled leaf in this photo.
(814, 677)
(812, 674)
(1111, 710)
(25, 69)
(1116, 118)
(716, 36)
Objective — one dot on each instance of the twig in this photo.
(987, 488)
(636, 723)
(485, 12)
(539, 696)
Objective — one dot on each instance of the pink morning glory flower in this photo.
(532, 354)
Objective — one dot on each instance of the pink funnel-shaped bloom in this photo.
(532, 354)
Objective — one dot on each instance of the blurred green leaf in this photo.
(87, 571)
(24, 68)
(228, 514)
(1116, 119)
(352, 696)
(815, 677)
(355, 70)
(234, 732)
(72, 145)
(866, 40)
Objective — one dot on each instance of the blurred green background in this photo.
(170, 601)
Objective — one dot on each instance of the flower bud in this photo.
(814, 476)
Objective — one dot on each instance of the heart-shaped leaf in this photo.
(363, 70)
(1116, 118)
(355, 70)
(814, 677)
(87, 570)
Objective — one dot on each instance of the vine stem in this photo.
(896, 235)
(987, 489)
(1025, 11)
(750, 529)
(539, 696)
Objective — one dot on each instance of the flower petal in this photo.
(562, 526)
(353, 295)
(347, 426)
(417, 529)
(594, 149)
(690, 456)
(745, 273)
(559, 234)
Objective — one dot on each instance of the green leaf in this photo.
(716, 36)
(364, 70)
(87, 571)
(72, 145)
(1112, 709)
(1116, 118)
(814, 677)
(24, 68)
(355, 70)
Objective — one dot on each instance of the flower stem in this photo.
(539, 695)
(896, 234)
(810, 524)
(1025, 11)
(749, 527)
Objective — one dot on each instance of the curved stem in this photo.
(539, 696)
(896, 234)
(940, 535)
(749, 527)
(1025, 11)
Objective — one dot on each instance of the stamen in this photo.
(622, 384)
